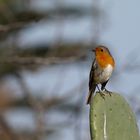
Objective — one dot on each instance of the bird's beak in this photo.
(93, 50)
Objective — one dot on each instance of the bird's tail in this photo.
(91, 92)
(89, 97)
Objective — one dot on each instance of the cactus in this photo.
(111, 118)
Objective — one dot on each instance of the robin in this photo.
(101, 70)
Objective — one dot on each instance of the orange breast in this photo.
(105, 59)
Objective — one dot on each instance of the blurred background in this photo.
(45, 59)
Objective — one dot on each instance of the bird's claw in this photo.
(109, 92)
(102, 95)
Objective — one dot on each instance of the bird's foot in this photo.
(109, 92)
(102, 95)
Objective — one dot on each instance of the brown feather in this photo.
(92, 84)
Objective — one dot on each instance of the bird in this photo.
(101, 71)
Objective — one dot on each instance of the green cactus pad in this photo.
(111, 118)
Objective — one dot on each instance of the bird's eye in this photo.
(102, 50)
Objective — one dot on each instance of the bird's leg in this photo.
(109, 92)
(101, 92)
(103, 88)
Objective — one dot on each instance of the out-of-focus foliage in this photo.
(15, 17)
(56, 111)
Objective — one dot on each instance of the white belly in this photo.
(104, 75)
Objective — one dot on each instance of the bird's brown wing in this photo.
(92, 84)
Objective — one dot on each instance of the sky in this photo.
(122, 33)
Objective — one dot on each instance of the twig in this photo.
(39, 60)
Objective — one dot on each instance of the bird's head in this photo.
(103, 55)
